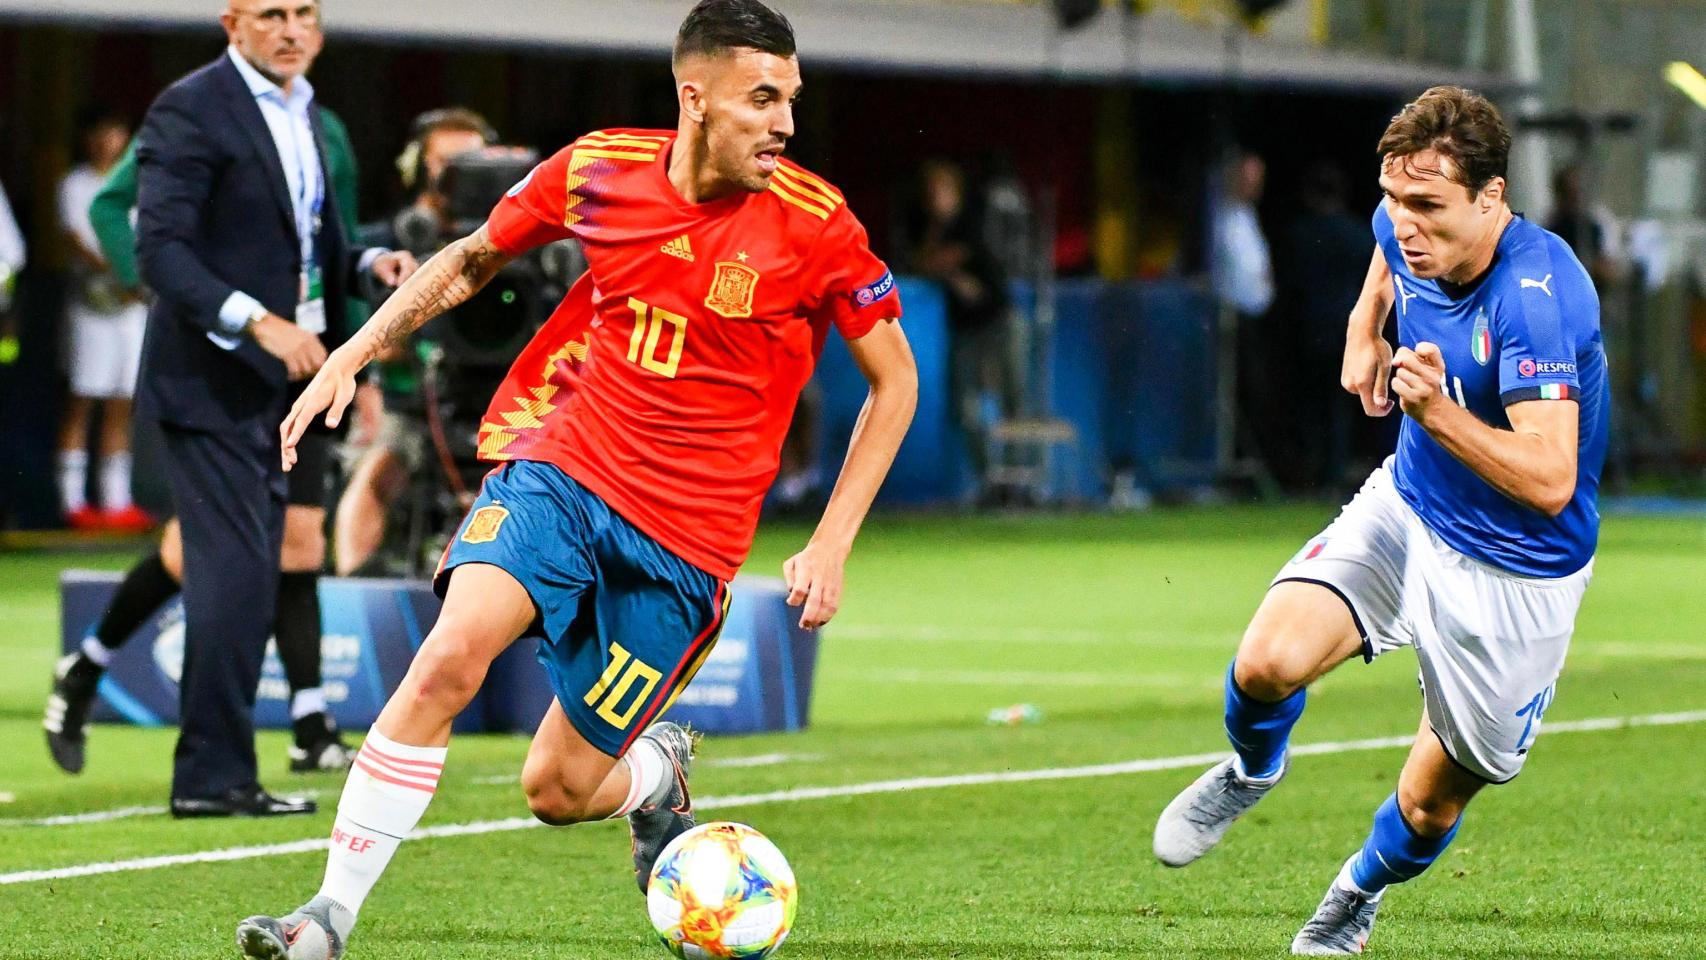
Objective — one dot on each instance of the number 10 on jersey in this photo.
(649, 324)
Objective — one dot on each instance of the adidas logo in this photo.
(679, 247)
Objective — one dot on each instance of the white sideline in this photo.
(820, 793)
(72, 819)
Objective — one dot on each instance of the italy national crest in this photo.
(1481, 346)
(731, 289)
(483, 525)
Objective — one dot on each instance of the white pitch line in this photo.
(72, 819)
(1024, 678)
(823, 793)
(762, 760)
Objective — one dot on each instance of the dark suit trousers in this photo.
(228, 490)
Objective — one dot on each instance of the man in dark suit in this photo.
(241, 242)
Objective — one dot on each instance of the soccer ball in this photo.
(722, 890)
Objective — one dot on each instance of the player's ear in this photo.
(1492, 193)
(691, 97)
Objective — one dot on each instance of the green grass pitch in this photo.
(1118, 629)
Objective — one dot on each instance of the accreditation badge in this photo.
(311, 305)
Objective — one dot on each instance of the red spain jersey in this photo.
(666, 380)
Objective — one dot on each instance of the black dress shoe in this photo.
(242, 802)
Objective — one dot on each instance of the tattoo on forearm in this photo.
(441, 289)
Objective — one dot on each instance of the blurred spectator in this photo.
(11, 251)
(1323, 257)
(105, 324)
(1008, 223)
(387, 447)
(1242, 267)
(11, 262)
(1242, 271)
(1588, 231)
(950, 247)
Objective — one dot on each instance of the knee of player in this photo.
(1429, 815)
(1267, 669)
(304, 543)
(552, 803)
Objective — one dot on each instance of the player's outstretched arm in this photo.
(1533, 463)
(1368, 357)
(814, 575)
(446, 281)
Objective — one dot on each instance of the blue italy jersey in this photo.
(1528, 329)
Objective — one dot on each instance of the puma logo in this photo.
(1403, 297)
(1542, 284)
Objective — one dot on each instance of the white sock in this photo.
(309, 700)
(115, 480)
(1244, 775)
(73, 480)
(646, 770)
(98, 653)
(385, 796)
(1346, 882)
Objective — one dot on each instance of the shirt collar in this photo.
(301, 92)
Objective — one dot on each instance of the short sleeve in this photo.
(1537, 348)
(533, 212)
(848, 286)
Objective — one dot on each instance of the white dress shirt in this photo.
(287, 116)
(1243, 271)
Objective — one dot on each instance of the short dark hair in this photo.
(714, 27)
(1462, 125)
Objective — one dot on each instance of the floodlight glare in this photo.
(1686, 78)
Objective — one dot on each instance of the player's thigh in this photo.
(654, 619)
(485, 610)
(561, 760)
(1300, 632)
(1433, 789)
(1490, 653)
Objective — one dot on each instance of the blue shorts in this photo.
(624, 624)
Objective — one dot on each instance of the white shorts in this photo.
(106, 351)
(1491, 643)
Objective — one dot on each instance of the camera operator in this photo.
(388, 444)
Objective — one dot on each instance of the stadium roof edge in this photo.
(1012, 40)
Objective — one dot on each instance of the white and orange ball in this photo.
(722, 890)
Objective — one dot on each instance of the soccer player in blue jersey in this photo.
(1473, 544)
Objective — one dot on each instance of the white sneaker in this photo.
(1200, 815)
(1341, 926)
(317, 930)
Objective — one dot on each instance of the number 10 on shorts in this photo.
(613, 687)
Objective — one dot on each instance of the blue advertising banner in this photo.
(759, 677)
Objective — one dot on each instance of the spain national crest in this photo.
(483, 525)
(1481, 342)
(732, 289)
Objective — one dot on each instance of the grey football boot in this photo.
(1200, 815)
(1341, 926)
(654, 826)
(317, 930)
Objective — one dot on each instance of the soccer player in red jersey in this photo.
(637, 435)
